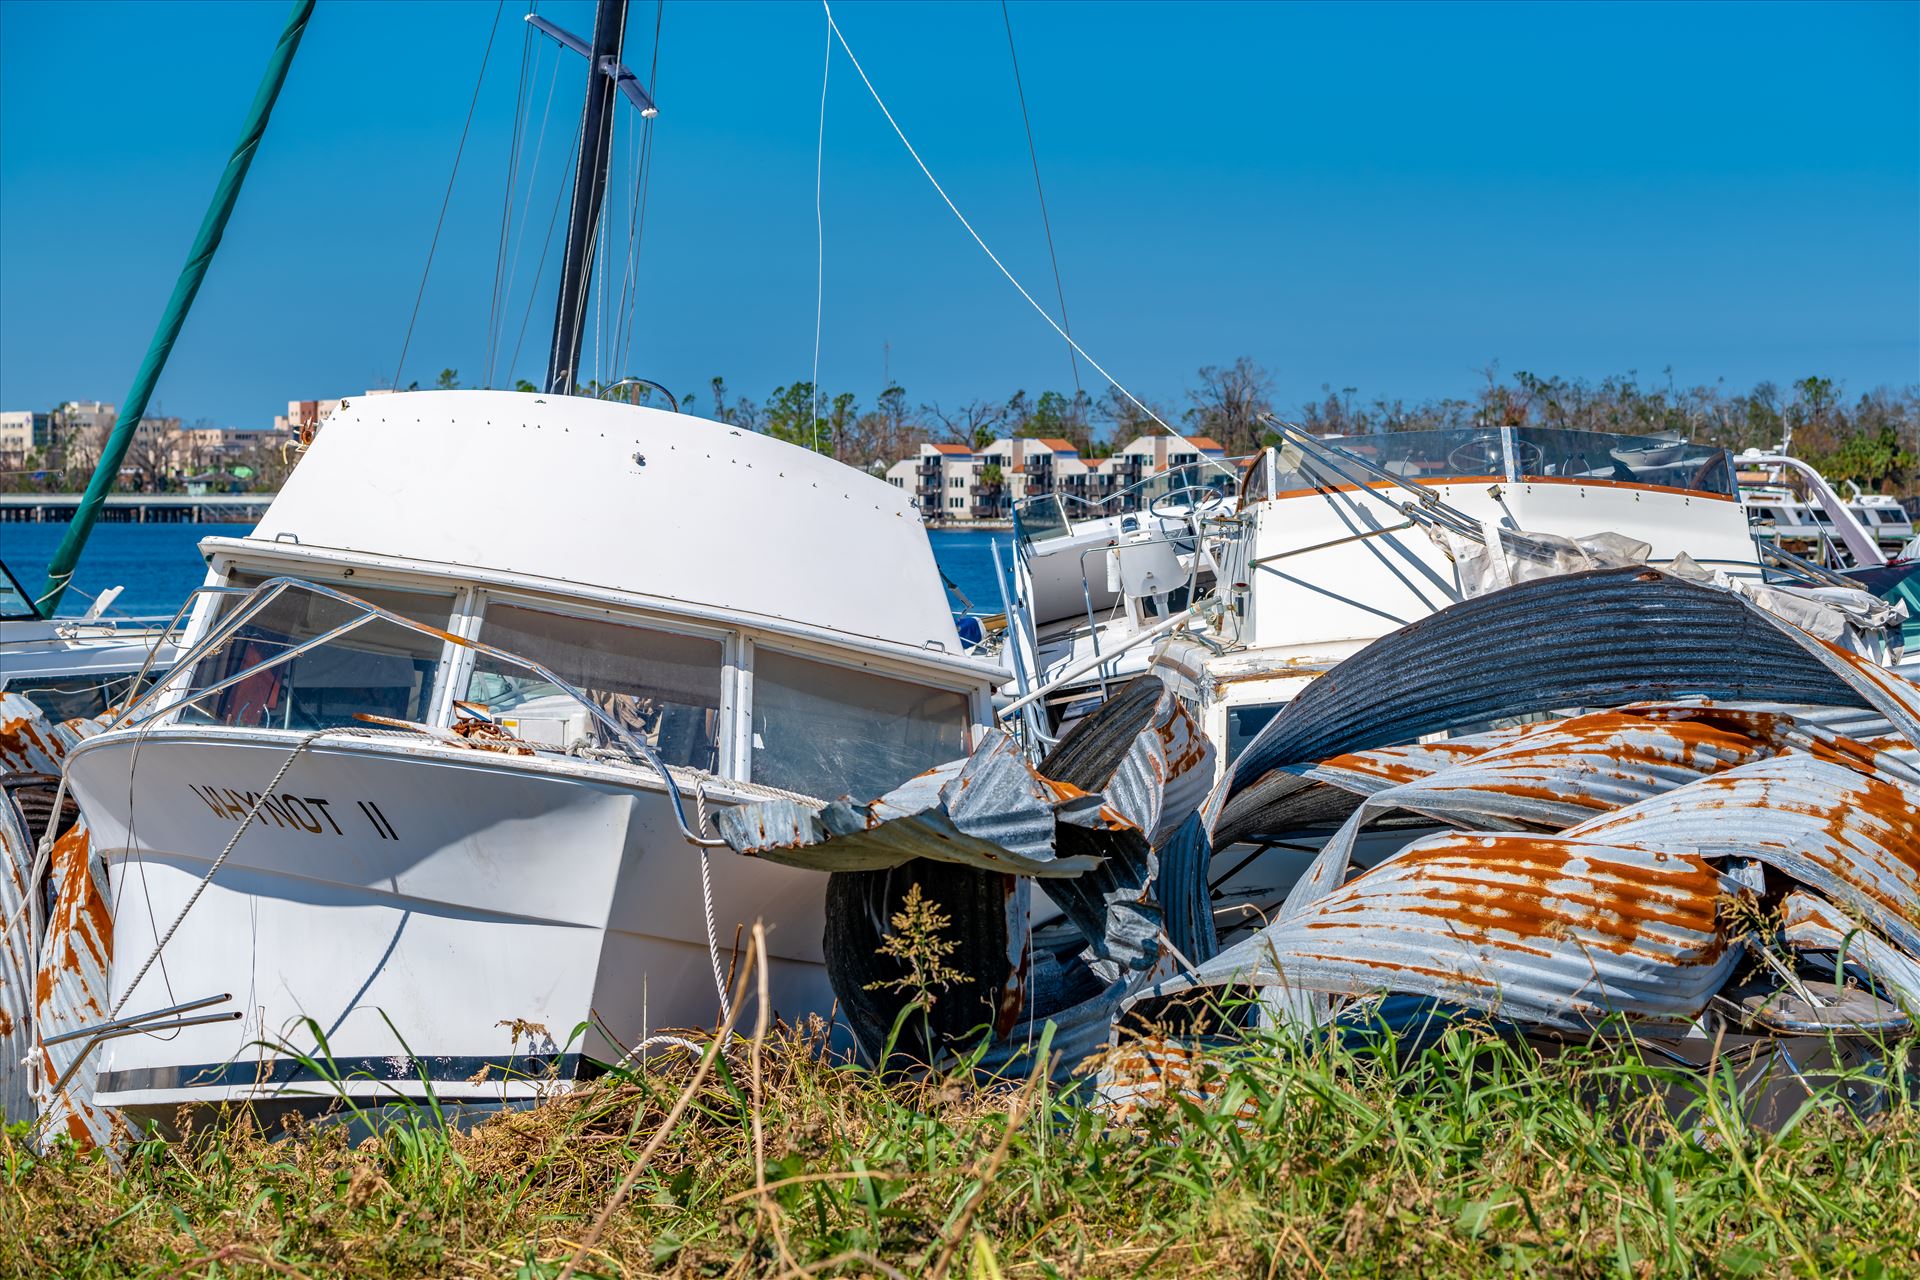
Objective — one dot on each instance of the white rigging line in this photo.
(526, 204)
(514, 156)
(643, 183)
(820, 233)
(1011, 279)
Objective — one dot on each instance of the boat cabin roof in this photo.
(664, 507)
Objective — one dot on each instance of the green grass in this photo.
(1473, 1157)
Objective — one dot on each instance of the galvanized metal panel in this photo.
(1811, 923)
(1539, 930)
(70, 990)
(1564, 772)
(17, 963)
(27, 742)
(1852, 836)
(1597, 639)
(1147, 759)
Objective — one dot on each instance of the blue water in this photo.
(159, 563)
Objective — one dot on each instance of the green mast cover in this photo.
(134, 407)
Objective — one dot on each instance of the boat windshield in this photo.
(15, 604)
(1555, 453)
(377, 669)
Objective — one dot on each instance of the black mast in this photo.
(589, 188)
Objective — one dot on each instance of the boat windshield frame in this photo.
(259, 597)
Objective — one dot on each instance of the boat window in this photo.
(1244, 723)
(830, 731)
(15, 606)
(662, 688)
(378, 669)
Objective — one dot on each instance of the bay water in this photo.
(158, 564)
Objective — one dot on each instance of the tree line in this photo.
(1871, 438)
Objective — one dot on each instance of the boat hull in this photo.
(409, 915)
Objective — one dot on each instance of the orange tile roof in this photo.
(953, 448)
(1207, 443)
(1060, 446)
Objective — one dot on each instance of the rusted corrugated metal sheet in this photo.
(17, 963)
(1564, 772)
(1145, 757)
(70, 989)
(28, 744)
(1599, 639)
(1540, 930)
(1810, 923)
(1852, 836)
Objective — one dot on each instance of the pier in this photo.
(138, 508)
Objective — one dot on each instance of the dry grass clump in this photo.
(1472, 1155)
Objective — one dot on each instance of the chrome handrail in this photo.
(273, 587)
(672, 403)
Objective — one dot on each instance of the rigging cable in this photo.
(646, 178)
(526, 206)
(448, 198)
(637, 219)
(993, 257)
(820, 233)
(506, 196)
(1045, 221)
(533, 292)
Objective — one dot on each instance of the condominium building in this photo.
(952, 482)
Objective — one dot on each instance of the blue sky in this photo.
(1379, 196)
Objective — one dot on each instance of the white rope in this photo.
(706, 900)
(678, 1042)
(820, 231)
(1011, 279)
(218, 862)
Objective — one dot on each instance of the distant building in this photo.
(952, 482)
(23, 435)
(1032, 469)
(88, 415)
(939, 478)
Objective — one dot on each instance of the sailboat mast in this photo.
(589, 189)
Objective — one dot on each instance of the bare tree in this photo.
(1228, 403)
(972, 424)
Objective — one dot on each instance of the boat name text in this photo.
(312, 814)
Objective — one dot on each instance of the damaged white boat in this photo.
(436, 763)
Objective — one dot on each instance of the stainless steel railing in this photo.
(365, 612)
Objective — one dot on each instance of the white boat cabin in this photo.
(751, 609)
